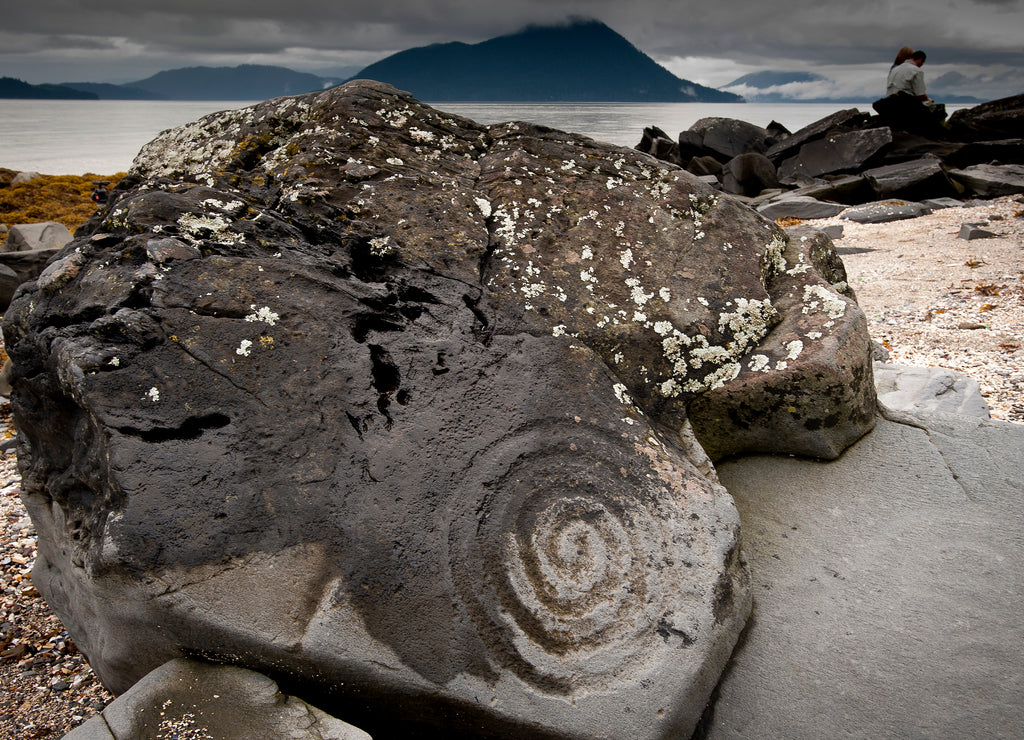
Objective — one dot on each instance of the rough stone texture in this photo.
(728, 137)
(842, 152)
(20, 267)
(887, 588)
(884, 211)
(909, 152)
(816, 405)
(836, 122)
(991, 180)
(917, 178)
(749, 174)
(799, 206)
(975, 231)
(46, 235)
(996, 119)
(191, 699)
(928, 390)
(391, 407)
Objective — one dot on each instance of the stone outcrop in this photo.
(408, 413)
(191, 699)
(854, 158)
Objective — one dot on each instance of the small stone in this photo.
(974, 231)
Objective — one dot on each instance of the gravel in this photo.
(931, 298)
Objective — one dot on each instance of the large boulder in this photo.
(843, 152)
(918, 178)
(392, 407)
(21, 267)
(991, 121)
(729, 137)
(991, 180)
(45, 235)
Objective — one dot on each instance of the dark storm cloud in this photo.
(115, 40)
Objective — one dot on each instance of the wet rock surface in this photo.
(430, 380)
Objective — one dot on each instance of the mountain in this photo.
(13, 88)
(106, 91)
(245, 82)
(583, 61)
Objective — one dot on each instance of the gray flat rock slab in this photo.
(928, 390)
(189, 700)
(889, 587)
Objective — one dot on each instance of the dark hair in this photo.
(919, 55)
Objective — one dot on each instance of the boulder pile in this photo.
(416, 416)
(853, 158)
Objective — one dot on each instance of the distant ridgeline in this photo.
(581, 62)
(584, 61)
(12, 88)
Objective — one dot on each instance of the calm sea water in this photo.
(74, 137)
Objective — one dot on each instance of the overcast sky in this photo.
(974, 46)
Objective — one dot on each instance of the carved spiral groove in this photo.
(579, 563)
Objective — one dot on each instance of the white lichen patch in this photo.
(814, 335)
(263, 314)
(153, 394)
(820, 298)
(749, 323)
(244, 348)
(758, 363)
(793, 349)
(484, 205)
(800, 267)
(216, 228)
(773, 262)
(381, 246)
(665, 294)
(621, 393)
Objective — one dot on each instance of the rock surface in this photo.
(392, 407)
(190, 699)
(887, 588)
(45, 235)
(852, 158)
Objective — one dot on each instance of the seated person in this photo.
(908, 78)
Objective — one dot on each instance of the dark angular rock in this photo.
(706, 165)
(749, 174)
(691, 146)
(21, 267)
(848, 189)
(920, 178)
(393, 405)
(728, 137)
(1004, 151)
(844, 120)
(994, 120)
(844, 152)
(974, 231)
(903, 112)
(799, 206)
(990, 181)
(885, 211)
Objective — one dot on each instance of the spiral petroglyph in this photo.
(586, 558)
